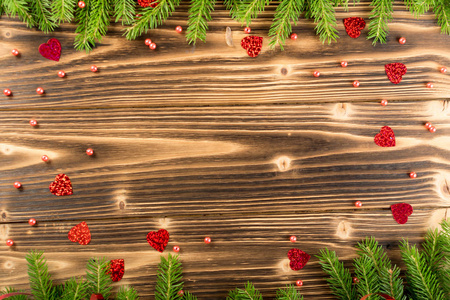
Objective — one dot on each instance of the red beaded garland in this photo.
(152, 46)
(179, 29)
(358, 203)
(61, 74)
(9, 242)
(40, 90)
(89, 151)
(432, 129)
(384, 102)
(148, 42)
(17, 185)
(32, 222)
(81, 4)
(176, 249)
(356, 83)
(443, 70)
(299, 283)
(33, 123)
(316, 73)
(344, 64)
(7, 92)
(293, 238)
(294, 36)
(430, 85)
(247, 30)
(94, 68)
(15, 52)
(428, 125)
(207, 240)
(45, 158)
(413, 175)
(402, 40)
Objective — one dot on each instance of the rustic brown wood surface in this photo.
(206, 141)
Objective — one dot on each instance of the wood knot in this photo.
(341, 110)
(8, 265)
(284, 265)
(5, 149)
(283, 71)
(283, 163)
(443, 185)
(4, 232)
(3, 216)
(122, 205)
(343, 230)
(7, 34)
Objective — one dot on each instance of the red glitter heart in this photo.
(61, 186)
(386, 137)
(298, 259)
(401, 212)
(80, 233)
(354, 25)
(116, 269)
(51, 49)
(253, 45)
(158, 240)
(395, 71)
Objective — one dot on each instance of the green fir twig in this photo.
(199, 15)
(75, 289)
(169, 280)
(189, 296)
(289, 293)
(63, 10)
(442, 12)
(124, 10)
(19, 8)
(324, 15)
(41, 10)
(9, 290)
(97, 277)
(380, 16)
(287, 12)
(98, 19)
(40, 280)
(248, 10)
(248, 293)
(366, 273)
(127, 293)
(83, 39)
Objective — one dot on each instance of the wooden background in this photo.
(206, 141)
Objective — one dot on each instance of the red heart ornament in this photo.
(80, 234)
(61, 186)
(386, 137)
(253, 45)
(401, 212)
(159, 239)
(116, 269)
(395, 72)
(51, 49)
(354, 25)
(298, 259)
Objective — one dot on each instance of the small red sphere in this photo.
(7, 92)
(299, 283)
(316, 73)
(179, 29)
(32, 222)
(207, 240)
(89, 151)
(413, 175)
(180, 293)
(384, 102)
(432, 129)
(81, 4)
(152, 46)
(293, 238)
(33, 123)
(247, 30)
(356, 83)
(294, 36)
(45, 158)
(15, 52)
(9, 242)
(40, 90)
(355, 280)
(176, 249)
(430, 85)
(443, 70)
(94, 68)
(148, 42)
(344, 64)
(402, 40)
(358, 203)
(17, 185)
(61, 74)
(428, 125)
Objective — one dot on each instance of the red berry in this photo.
(180, 293)
(430, 85)
(40, 90)
(9, 242)
(7, 92)
(32, 222)
(402, 40)
(81, 4)
(355, 280)
(428, 125)
(61, 74)
(294, 36)
(432, 129)
(316, 73)
(45, 158)
(299, 282)
(413, 175)
(148, 42)
(356, 83)
(179, 29)
(176, 249)
(17, 185)
(152, 46)
(344, 64)
(89, 151)
(94, 68)
(247, 30)
(384, 102)
(15, 52)
(207, 240)
(293, 238)
(358, 203)
(33, 123)
(443, 70)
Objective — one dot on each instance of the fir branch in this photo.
(324, 15)
(248, 10)
(419, 7)
(20, 8)
(83, 40)
(366, 272)
(151, 18)
(189, 296)
(287, 11)
(199, 15)
(63, 10)
(9, 290)
(74, 289)
(232, 6)
(124, 10)
(127, 293)
(289, 293)
(340, 279)
(391, 283)
(248, 293)
(40, 280)
(97, 277)
(380, 16)
(442, 13)
(344, 3)
(444, 274)
(421, 279)
(98, 19)
(41, 13)
(432, 250)
(169, 278)
(375, 252)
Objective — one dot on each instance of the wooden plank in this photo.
(243, 248)
(177, 74)
(223, 160)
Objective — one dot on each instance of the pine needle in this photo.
(9, 290)
(63, 10)
(169, 279)
(248, 10)
(287, 11)
(232, 6)
(289, 293)
(98, 280)
(189, 296)
(43, 17)
(83, 40)
(419, 7)
(248, 293)
(75, 289)
(19, 8)
(98, 19)
(124, 10)
(324, 15)
(127, 293)
(344, 3)
(380, 16)
(367, 275)
(40, 280)
(199, 15)
(375, 252)
(442, 12)
(391, 283)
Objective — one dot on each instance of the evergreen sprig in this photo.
(324, 15)
(169, 278)
(41, 10)
(127, 293)
(442, 12)
(367, 275)
(63, 10)
(189, 296)
(371, 248)
(444, 272)
(83, 40)
(391, 283)
(232, 6)
(199, 15)
(344, 3)
(98, 19)
(287, 12)
(97, 277)
(289, 293)
(124, 10)
(419, 7)
(380, 16)
(40, 280)
(9, 290)
(248, 293)
(248, 10)
(19, 8)
(75, 289)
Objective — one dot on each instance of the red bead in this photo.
(413, 175)
(45, 158)
(428, 125)
(61, 74)
(81, 4)
(358, 203)
(94, 68)
(344, 64)
(9, 242)
(179, 29)
(96, 297)
(402, 40)
(40, 90)
(430, 85)
(148, 42)
(207, 240)
(384, 102)
(33, 123)
(355, 280)
(299, 283)
(176, 249)
(32, 222)
(180, 293)
(152, 46)
(432, 129)
(15, 52)
(316, 73)
(443, 70)
(7, 92)
(17, 185)
(89, 151)
(247, 30)
(294, 36)
(293, 238)
(356, 83)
